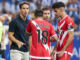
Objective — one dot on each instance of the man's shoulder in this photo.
(43, 21)
(68, 18)
(46, 22)
(15, 19)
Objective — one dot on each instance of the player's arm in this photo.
(71, 37)
(54, 38)
(53, 35)
(28, 34)
(54, 49)
(30, 42)
(28, 29)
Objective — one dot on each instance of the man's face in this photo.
(46, 14)
(24, 9)
(57, 12)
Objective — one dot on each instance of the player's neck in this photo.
(39, 18)
(63, 15)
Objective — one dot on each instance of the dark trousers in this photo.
(2, 52)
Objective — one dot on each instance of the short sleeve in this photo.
(12, 26)
(28, 28)
(70, 24)
(52, 32)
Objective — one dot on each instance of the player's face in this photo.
(57, 12)
(46, 14)
(24, 9)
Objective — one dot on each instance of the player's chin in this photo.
(57, 16)
(25, 14)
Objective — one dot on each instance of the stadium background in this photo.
(72, 8)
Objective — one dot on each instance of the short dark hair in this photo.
(58, 5)
(22, 3)
(38, 13)
(46, 8)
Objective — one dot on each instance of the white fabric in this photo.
(18, 55)
(65, 54)
(36, 57)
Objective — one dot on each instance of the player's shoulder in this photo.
(31, 21)
(43, 21)
(47, 23)
(69, 18)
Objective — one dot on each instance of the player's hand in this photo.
(20, 44)
(60, 54)
(53, 53)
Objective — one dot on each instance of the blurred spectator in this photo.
(73, 9)
(79, 10)
(0, 5)
(15, 7)
(22, 1)
(64, 1)
(55, 23)
(68, 2)
(38, 4)
(5, 32)
(5, 7)
(46, 3)
(32, 15)
(33, 6)
(76, 27)
(2, 49)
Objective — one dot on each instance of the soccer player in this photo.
(46, 16)
(46, 13)
(65, 32)
(42, 33)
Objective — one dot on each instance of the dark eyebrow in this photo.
(25, 8)
(46, 13)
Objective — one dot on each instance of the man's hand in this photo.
(60, 54)
(20, 44)
(54, 50)
(53, 53)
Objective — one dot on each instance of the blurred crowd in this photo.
(11, 7)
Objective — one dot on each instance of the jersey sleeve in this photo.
(70, 24)
(28, 28)
(52, 32)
